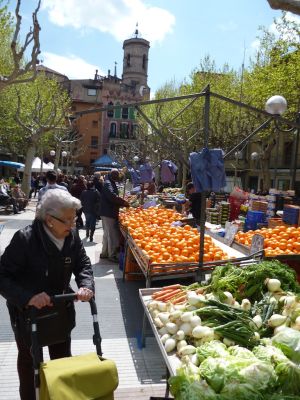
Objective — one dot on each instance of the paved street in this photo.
(141, 371)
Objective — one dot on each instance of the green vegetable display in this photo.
(249, 282)
(229, 322)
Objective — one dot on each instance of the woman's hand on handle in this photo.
(40, 300)
(85, 294)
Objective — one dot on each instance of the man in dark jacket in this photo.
(37, 264)
(109, 212)
(76, 189)
(90, 200)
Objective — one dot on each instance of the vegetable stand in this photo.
(216, 344)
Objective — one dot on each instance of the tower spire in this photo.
(136, 33)
(115, 69)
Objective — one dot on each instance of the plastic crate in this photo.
(290, 215)
(256, 216)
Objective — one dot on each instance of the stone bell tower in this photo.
(135, 63)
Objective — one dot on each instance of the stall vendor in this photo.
(193, 205)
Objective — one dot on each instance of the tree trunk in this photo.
(26, 182)
(184, 169)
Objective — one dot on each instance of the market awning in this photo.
(12, 164)
(106, 161)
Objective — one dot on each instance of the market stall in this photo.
(163, 248)
(234, 337)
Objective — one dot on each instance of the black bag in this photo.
(54, 324)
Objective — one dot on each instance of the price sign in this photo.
(230, 232)
(257, 243)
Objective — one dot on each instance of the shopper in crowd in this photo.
(20, 197)
(61, 181)
(193, 205)
(51, 178)
(109, 212)
(5, 198)
(90, 200)
(98, 182)
(76, 189)
(39, 263)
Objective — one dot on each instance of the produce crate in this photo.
(132, 269)
(272, 222)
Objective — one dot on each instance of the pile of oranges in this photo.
(152, 231)
(133, 218)
(279, 240)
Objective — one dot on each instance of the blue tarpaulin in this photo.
(106, 161)
(12, 164)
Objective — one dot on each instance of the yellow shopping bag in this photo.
(84, 377)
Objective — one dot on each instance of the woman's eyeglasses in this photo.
(66, 221)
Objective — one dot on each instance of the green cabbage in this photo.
(183, 389)
(288, 377)
(218, 372)
(269, 354)
(215, 348)
(240, 391)
(241, 352)
(260, 374)
(288, 340)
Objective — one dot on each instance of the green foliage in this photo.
(42, 107)
(6, 30)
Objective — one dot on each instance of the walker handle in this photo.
(59, 298)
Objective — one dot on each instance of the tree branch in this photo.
(18, 75)
(286, 5)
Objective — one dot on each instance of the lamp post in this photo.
(277, 105)
(64, 155)
(255, 156)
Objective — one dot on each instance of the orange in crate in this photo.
(132, 266)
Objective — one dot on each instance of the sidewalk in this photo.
(141, 371)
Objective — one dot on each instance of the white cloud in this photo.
(117, 17)
(228, 26)
(272, 29)
(255, 44)
(72, 66)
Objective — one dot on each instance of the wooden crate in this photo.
(132, 269)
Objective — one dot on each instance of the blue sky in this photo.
(78, 36)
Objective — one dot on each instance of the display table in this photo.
(171, 360)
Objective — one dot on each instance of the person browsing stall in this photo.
(109, 212)
(39, 263)
(194, 202)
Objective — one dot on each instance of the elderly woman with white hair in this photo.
(39, 263)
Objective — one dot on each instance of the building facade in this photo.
(114, 130)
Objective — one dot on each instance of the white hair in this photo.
(54, 201)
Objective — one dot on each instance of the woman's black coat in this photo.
(32, 263)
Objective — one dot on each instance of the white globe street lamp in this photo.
(254, 156)
(238, 155)
(64, 153)
(52, 153)
(276, 105)
(135, 158)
